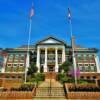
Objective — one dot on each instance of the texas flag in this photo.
(32, 11)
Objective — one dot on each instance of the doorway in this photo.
(51, 68)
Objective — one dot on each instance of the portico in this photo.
(50, 54)
(50, 58)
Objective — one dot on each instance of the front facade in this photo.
(48, 55)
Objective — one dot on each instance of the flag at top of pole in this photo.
(69, 14)
(32, 11)
(69, 20)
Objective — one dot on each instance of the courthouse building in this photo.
(48, 54)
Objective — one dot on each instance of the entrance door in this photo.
(51, 69)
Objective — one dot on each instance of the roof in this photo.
(86, 50)
(53, 38)
(26, 46)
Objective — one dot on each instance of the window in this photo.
(16, 57)
(80, 67)
(21, 69)
(21, 65)
(19, 77)
(0, 68)
(1, 59)
(8, 65)
(94, 77)
(91, 57)
(10, 57)
(92, 67)
(22, 57)
(15, 67)
(7, 76)
(13, 77)
(79, 57)
(86, 57)
(82, 77)
(88, 77)
(86, 67)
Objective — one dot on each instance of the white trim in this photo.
(38, 59)
(97, 63)
(45, 65)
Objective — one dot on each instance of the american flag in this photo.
(69, 14)
(32, 12)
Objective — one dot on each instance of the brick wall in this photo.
(83, 95)
(10, 83)
(16, 95)
(0, 83)
(50, 75)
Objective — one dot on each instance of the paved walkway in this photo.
(53, 83)
(57, 91)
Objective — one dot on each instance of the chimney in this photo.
(73, 43)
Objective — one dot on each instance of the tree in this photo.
(32, 69)
(65, 66)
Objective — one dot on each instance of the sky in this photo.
(50, 19)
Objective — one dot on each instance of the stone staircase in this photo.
(50, 90)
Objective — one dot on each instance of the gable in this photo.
(50, 40)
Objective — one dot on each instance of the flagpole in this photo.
(73, 55)
(29, 38)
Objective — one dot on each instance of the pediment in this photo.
(51, 40)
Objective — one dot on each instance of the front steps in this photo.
(50, 90)
(51, 75)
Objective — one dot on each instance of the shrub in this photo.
(85, 89)
(65, 66)
(32, 69)
(3, 89)
(83, 82)
(24, 87)
(62, 77)
(39, 77)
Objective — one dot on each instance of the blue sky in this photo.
(50, 20)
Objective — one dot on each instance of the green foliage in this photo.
(24, 87)
(32, 69)
(36, 78)
(39, 77)
(65, 66)
(63, 78)
(81, 81)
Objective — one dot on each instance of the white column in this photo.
(97, 63)
(56, 59)
(63, 55)
(45, 64)
(27, 61)
(38, 59)
(74, 61)
(4, 64)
